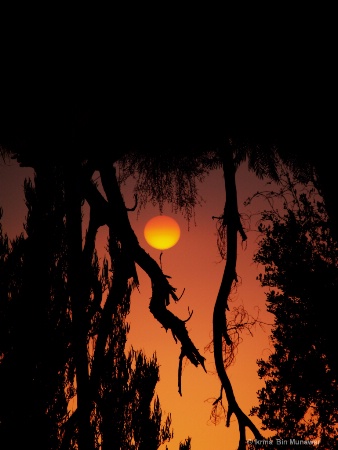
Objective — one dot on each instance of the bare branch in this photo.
(231, 220)
(116, 217)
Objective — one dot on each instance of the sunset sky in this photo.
(195, 266)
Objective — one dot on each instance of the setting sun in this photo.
(162, 232)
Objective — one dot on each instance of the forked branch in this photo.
(116, 217)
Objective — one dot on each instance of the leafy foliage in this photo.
(301, 375)
(37, 372)
(127, 415)
(186, 445)
(36, 356)
(170, 178)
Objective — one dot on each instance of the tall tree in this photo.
(299, 255)
(38, 368)
(35, 339)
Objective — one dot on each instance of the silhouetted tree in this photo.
(36, 358)
(37, 348)
(187, 111)
(299, 253)
(173, 179)
(127, 414)
(166, 176)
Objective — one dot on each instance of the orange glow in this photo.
(162, 232)
(194, 266)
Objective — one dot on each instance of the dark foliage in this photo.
(186, 444)
(300, 397)
(36, 359)
(37, 370)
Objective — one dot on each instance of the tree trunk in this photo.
(78, 302)
(231, 221)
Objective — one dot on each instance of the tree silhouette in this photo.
(157, 181)
(300, 258)
(188, 111)
(185, 445)
(38, 367)
(77, 187)
(36, 358)
(180, 173)
(127, 416)
(170, 176)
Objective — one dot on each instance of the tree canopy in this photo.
(299, 256)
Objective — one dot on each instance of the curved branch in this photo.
(135, 205)
(116, 217)
(220, 332)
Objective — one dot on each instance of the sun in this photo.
(162, 232)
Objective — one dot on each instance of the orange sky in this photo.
(194, 265)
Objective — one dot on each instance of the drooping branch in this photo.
(220, 333)
(116, 217)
